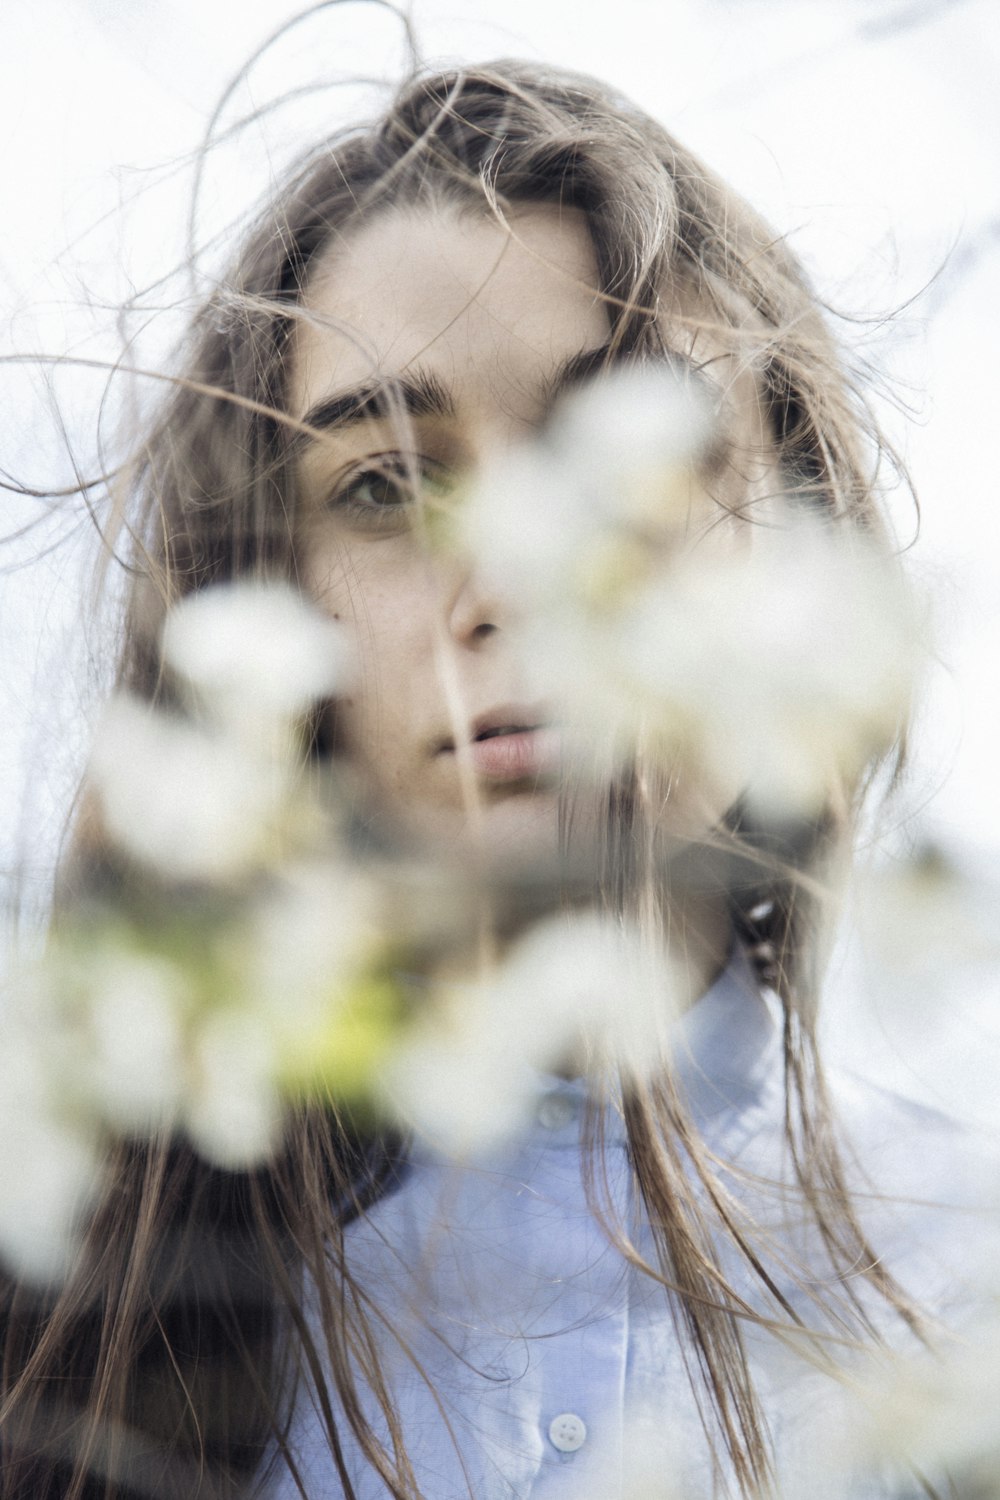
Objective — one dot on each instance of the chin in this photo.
(512, 837)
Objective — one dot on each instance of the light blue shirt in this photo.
(525, 1355)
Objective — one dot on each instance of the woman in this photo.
(655, 1274)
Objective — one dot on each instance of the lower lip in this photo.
(524, 756)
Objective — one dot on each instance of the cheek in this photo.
(385, 604)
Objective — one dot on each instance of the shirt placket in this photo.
(579, 1413)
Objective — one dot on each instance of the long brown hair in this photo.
(166, 1364)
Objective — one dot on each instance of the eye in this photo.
(381, 496)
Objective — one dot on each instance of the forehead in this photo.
(490, 308)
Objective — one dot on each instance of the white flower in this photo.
(49, 1166)
(135, 1072)
(255, 651)
(187, 802)
(524, 524)
(768, 669)
(575, 990)
(631, 434)
(933, 1412)
(310, 937)
(49, 1174)
(654, 1460)
(232, 1110)
(577, 514)
(770, 659)
(786, 663)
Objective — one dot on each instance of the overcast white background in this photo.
(869, 130)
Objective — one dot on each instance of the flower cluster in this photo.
(233, 953)
(468, 1071)
(252, 953)
(774, 654)
(203, 795)
(249, 958)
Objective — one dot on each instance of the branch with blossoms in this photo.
(255, 953)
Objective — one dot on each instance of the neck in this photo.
(699, 936)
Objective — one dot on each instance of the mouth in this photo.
(508, 745)
(501, 729)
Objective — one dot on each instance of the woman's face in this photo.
(474, 329)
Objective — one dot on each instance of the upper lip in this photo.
(508, 717)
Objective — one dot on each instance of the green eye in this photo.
(383, 495)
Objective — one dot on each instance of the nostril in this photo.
(485, 629)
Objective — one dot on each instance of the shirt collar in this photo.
(726, 1055)
(729, 1042)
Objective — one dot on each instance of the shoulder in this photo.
(927, 1188)
(901, 1142)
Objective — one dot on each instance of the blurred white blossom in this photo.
(935, 1412)
(232, 1109)
(316, 979)
(769, 656)
(319, 926)
(784, 666)
(251, 652)
(203, 798)
(580, 513)
(205, 1024)
(576, 990)
(134, 1023)
(184, 800)
(49, 1175)
(49, 1166)
(641, 428)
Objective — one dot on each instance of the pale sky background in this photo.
(867, 129)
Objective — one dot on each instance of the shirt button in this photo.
(567, 1432)
(556, 1110)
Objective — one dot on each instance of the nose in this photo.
(475, 610)
(478, 602)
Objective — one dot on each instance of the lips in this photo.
(511, 743)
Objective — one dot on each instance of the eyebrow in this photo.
(578, 368)
(590, 362)
(419, 393)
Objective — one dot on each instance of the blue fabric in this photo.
(507, 1305)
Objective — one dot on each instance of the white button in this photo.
(567, 1432)
(556, 1110)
